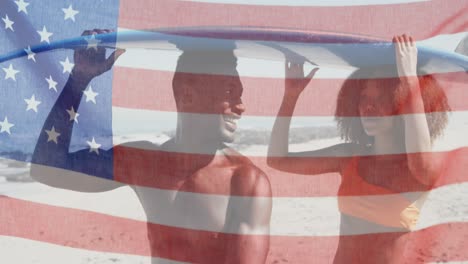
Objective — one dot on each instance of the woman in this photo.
(388, 152)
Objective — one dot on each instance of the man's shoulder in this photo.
(247, 178)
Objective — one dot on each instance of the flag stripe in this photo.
(306, 132)
(100, 232)
(128, 162)
(13, 251)
(308, 218)
(14, 248)
(419, 19)
(152, 90)
(308, 2)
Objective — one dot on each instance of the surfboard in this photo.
(319, 48)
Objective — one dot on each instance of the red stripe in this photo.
(152, 90)
(72, 228)
(155, 169)
(93, 231)
(128, 164)
(421, 20)
(455, 23)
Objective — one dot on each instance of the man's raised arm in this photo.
(52, 163)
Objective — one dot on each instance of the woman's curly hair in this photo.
(435, 103)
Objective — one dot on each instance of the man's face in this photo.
(216, 102)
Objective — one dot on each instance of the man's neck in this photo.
(191, 157)
(196, 145)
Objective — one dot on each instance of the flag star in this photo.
(52, 135)
(5, 126)
(30, 53)
(92, 42)
(52, 83)
(32, 103)
(45, 35)
(67, 65)
(93, 146)
(22, 6)
(73, 115)
(70, 13)
(90, 95)
(8, 23)
(10, 73)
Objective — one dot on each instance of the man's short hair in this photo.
(193, 64)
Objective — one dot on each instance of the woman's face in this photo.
(376, 108)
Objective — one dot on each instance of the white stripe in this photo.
(308, 2)
(164, 60)
(135, 125)
(291, 216)
(24, 251)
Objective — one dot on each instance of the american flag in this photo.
(134, 101)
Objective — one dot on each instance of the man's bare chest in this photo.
(197, 201)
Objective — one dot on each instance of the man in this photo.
(209, 204)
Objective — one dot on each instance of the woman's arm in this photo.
(421, 162)
(279, 157)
